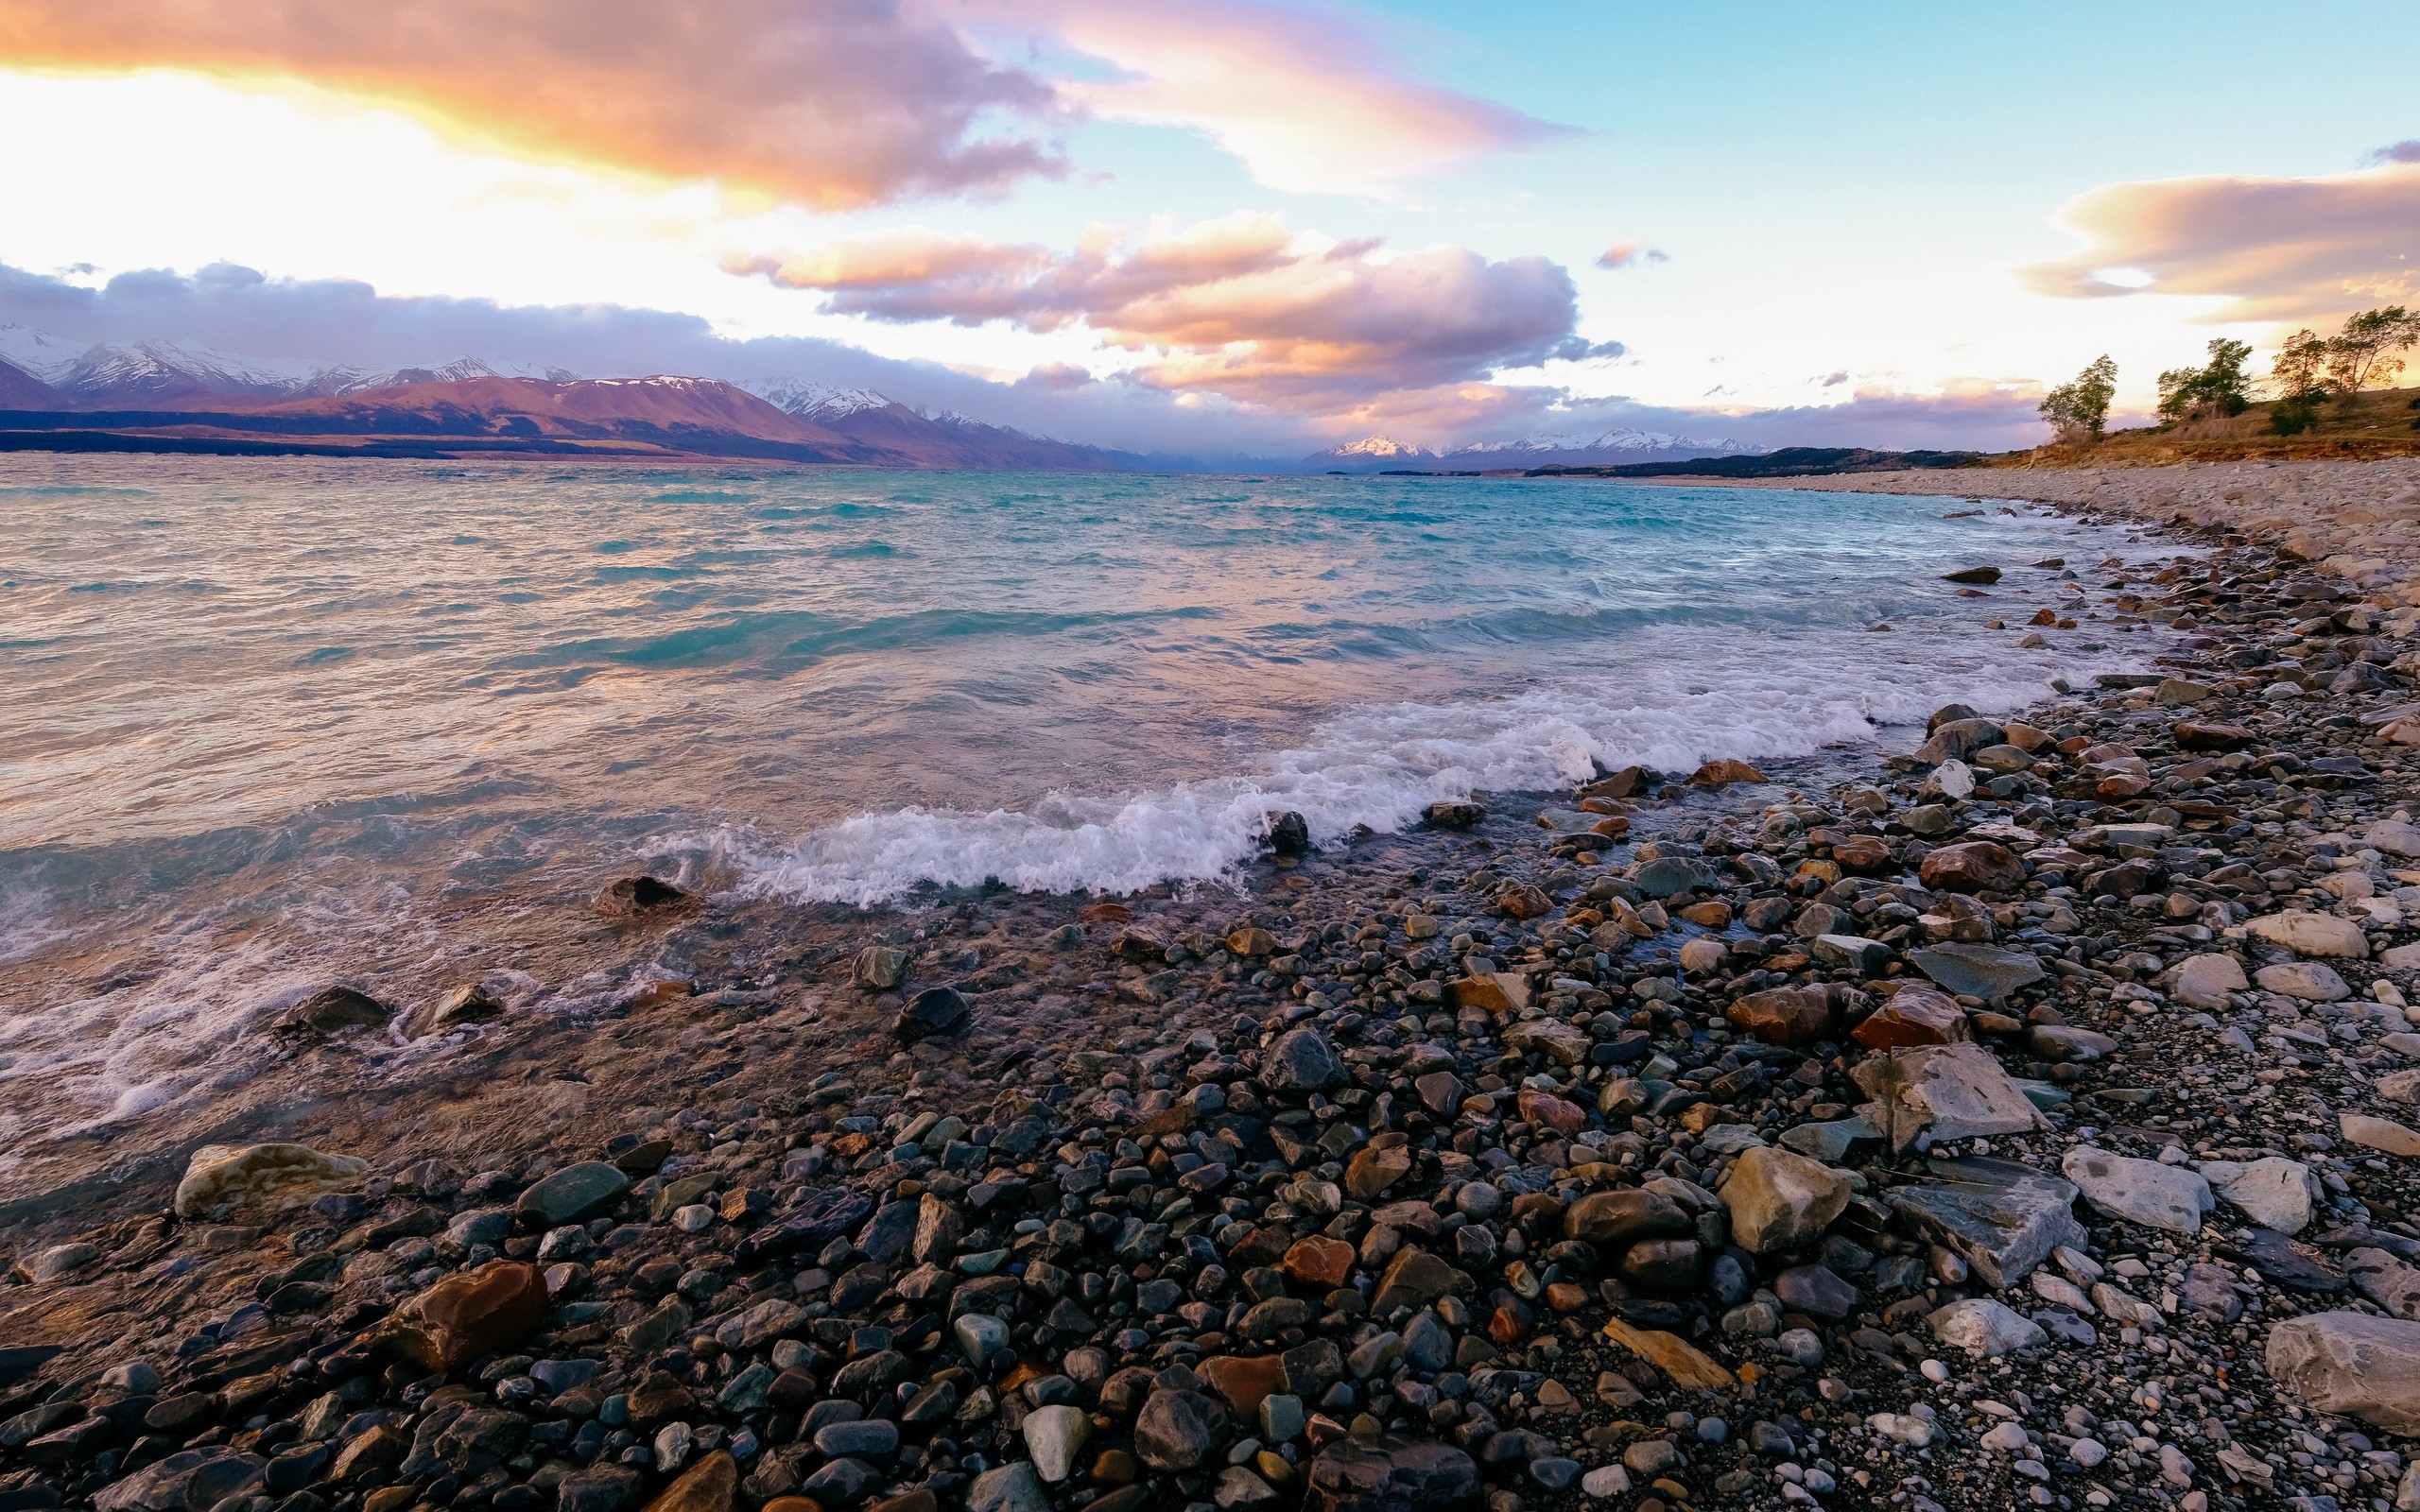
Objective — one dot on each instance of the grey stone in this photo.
(2205, 981)
(2144, 1192)
(2274, 1192)
(572, 1195)
(1984, 972)
(2353, 1365)
(190, 1480)
(2002, 1217)
(2385, 1280)
(864, 1439)
(1052, 1436)
(1385, 1474)
(1945, 1093)
(1177, 1430)
(1302, 1060)
(1832, 1143)
(2308, 980)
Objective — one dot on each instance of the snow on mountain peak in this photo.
(816, 401)
(1380, 446)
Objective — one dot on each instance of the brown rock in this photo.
(1863, 855)
(1242, 1383)
(1318, 1263)
(1415, 1278)
(1497, 993)
(1370, 1172)
(2198, 734)
(637, 897)
(472, 1312)
(1973, 866)
(1105, 914)
(1716, 774)
(1441, 1091)
(706, 1486)
(1791, 1015)
(1614, 1220)
(1522, 901)
(329, 1010)
(1673, 1355)
(1628, 783)
(1713, 914)
(1545, 1107)
(1252, 943)
(1915, 1016)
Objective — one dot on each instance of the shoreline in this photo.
(1554, 1208)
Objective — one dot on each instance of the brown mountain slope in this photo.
(20, 390)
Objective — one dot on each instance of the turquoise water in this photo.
(325, 697)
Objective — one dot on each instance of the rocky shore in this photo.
(2024, 1120)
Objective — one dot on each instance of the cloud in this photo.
(2286, 250)
(1240, 307)
(831, 103)
(1313, 101)
(1834, 380)
(1624, 254)
(2404, 151)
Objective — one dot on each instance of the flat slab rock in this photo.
(2002, 1217)
(1984, 972)
(2144, 1192)
(2353, 1365)
(1947, 1091)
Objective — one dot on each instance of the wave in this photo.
(1377, 766)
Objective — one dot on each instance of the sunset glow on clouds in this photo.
(1247, 223)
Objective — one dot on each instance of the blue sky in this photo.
(1846, 200)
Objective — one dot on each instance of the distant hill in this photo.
(1789, 461)
(20, 390)
(1620, 446)
(934, 437)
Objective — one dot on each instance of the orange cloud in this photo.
(832, 103)
(2286, 250)
(1238, 307)
(1312, 101)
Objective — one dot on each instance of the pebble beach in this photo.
(2022, 1118)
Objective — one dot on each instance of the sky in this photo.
(1227, 226)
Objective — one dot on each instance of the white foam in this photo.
(1381, 765)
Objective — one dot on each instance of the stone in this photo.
(2351, 1365)
(2287, 1262)
(2273, 1193)
(1414, 1279)
(932, 1014)
(1302, 1060)
(638, 897)
(1718, 773)
(1386, 1473)
(465, 1005)
(221, 1179)
(1052, 1436)
(330, 1010)
(1816, 1290)
(2396, 837)
(1544, 1110)
(2192, 734)
(482, 1311)
(1782, 1201)
(1614, 1220)
(190, 1480)
(1984, 1328)
(2205, 981)
(1318, 1263)
(573, 1194)
(1866, 957)
(2143, 1192)
(1177, 1430)
(595, 1488)
(878, 969)
(1831, 1143)
(2002, 1218)
(1605, 1481)
(979, 1336)
(2308, 933)
(1945, 1093)
(1557, 1041)
(2381, 1134)
(2385, 1280)
(1015, 1488)
(1491, 993)
(1243, 1383)
(51, 1264)
(1972, 866)
(1984, 972)
(1913, 1016)
(2308, 980)
(1792, 1015)
(707, 1485)
(1675, 1356)
(1451, 815)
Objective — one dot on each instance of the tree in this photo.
(2221, 389)
(2300, 369)
(2080, 409)
(2364, 352)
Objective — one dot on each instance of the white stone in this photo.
(2088, 1451)
(2308, 980)
(222, 1177)
(2060, 1292)
(1606, 1481)
(2274, 1192)
(2306, 934)
(2006, 1437)
(1902, 1427)
(1052, 1436)
(1983, 1328)
(1955, 779)
(2205, 981)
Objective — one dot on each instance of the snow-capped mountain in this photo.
(1375, 453)
(820, 403)
(146, 374)
(940, 437)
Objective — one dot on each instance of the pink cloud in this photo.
(2286, 250)
(1312, 100)
(1238, 307)
(1628, 251)
(831, 103)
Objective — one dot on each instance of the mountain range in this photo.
(1616, 447)
(172, 396)
(181, 396)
